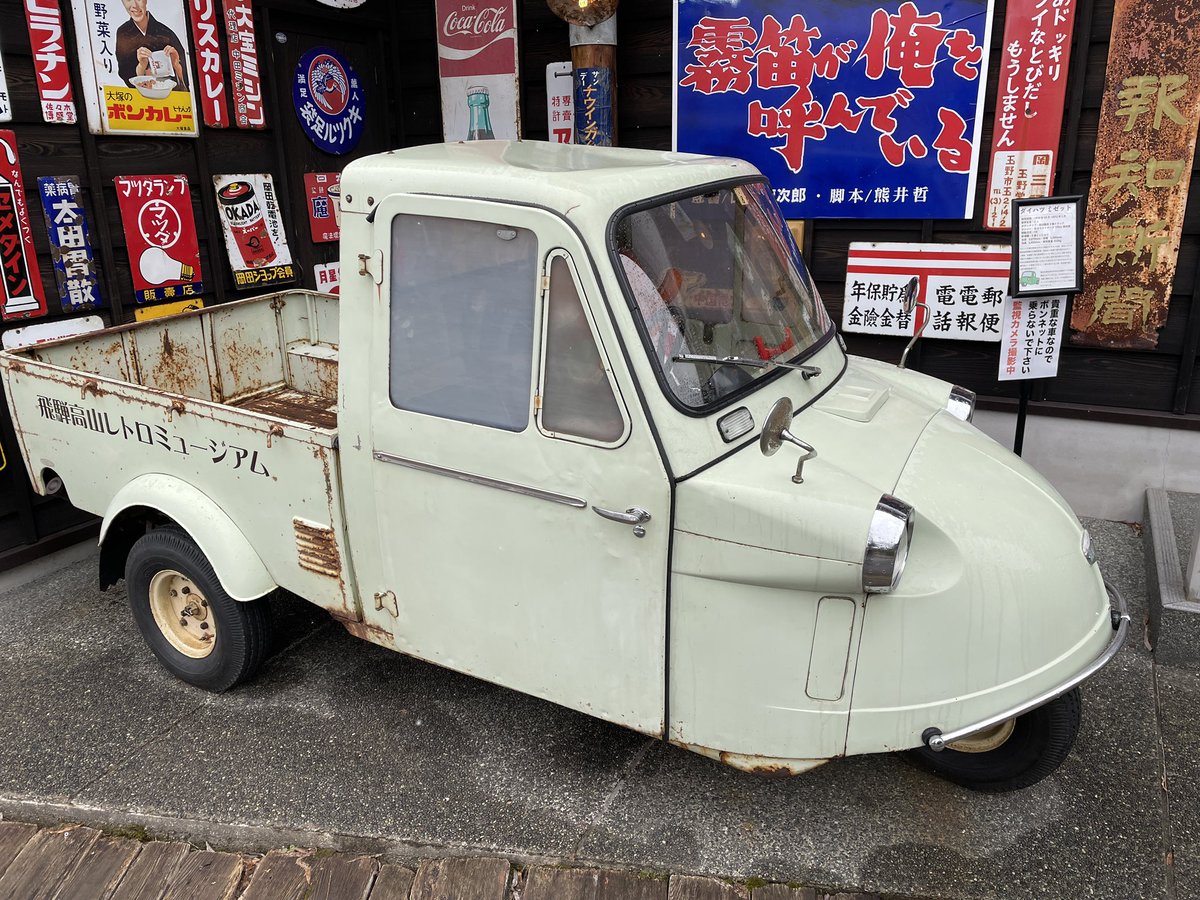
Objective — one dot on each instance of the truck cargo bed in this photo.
(275, 355)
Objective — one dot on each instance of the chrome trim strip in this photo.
(481, 480)
(937, 740)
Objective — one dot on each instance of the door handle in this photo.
(635, 516)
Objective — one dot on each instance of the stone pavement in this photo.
(347, 746)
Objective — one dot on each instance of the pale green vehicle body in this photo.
(737, 626)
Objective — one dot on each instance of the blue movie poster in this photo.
(852, 109)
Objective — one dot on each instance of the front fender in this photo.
(237, 565)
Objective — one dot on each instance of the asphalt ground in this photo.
(340, 743)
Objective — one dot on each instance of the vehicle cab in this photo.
(608, 449)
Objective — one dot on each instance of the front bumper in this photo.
(935, 739)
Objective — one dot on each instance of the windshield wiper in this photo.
(806, 371)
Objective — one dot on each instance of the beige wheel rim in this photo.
(983, 741)
(181, 612)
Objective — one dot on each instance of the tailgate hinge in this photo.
(371, 264)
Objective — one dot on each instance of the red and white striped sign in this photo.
(963, 285)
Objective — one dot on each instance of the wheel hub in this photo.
(983, 741)
(181, 612)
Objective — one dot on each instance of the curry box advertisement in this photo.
(857, 109)
(254, 237)
(160, 235)
(136, 67)
(22, 281)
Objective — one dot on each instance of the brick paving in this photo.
(75, 862)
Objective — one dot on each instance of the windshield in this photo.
(718, 275)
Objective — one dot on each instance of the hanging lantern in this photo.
(583, 12)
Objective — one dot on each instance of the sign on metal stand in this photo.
(1047, 268)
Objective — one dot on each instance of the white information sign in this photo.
(1032, 337)
(963, 286)
(560, 103)
(5, 100)
(329, 277)
(28, 335)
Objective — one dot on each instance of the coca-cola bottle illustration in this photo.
(478, 100)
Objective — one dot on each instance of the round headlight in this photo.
(887, 545)
(961, 404)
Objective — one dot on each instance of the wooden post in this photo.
(594, 64)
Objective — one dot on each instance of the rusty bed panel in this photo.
(295, 406)
(245, 343)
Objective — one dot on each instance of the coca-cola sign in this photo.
(489, 21)
(477, 38)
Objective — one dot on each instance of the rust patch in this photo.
(177, 408)
(317, 549)
(293, 405)
(90, 386)
(368, 632)
(276, 430)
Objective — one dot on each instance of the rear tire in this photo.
(201, 634)
(1016, 757)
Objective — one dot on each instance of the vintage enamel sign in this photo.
(208, 63)
(254, 236)
(248, 108)
(560, 103)
(322, 213)
(70, 242)
(328, 99)
(23, 297)
(136, 67)
(160, 234)
(963, 286)
(477, 63)
(44, 18)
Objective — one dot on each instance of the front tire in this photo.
(1013, 755)
(201, 634)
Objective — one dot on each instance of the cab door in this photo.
(522, 509)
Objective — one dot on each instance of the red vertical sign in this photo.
(248, 111)
(44, 19)
(22, 282)
(211, 89)
(160, 234)
(1029, 105)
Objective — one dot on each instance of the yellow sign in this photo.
(128, 110)
(142, 313)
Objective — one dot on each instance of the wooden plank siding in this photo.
(1158, 387)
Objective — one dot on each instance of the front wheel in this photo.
(200, 633)
(1013, 754)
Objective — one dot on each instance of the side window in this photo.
(577, 397)
(463, 296)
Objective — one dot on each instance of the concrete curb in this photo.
(1174, 621)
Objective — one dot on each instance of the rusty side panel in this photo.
(245, 344)
(368, 632)
(171, 357)
(317, 548)
(1146, 140)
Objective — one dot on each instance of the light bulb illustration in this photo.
(157, 267)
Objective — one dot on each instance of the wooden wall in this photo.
(1152, 387)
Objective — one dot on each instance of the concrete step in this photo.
(1171, 522)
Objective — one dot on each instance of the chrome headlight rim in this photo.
(961, 403)
(888, 539)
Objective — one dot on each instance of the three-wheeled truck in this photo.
(580, 425)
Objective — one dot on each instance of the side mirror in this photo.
(909, 301)
(775, 433)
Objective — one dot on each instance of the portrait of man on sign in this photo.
(145, 46)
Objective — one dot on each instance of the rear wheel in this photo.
(200, 633)
(1011, 755)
